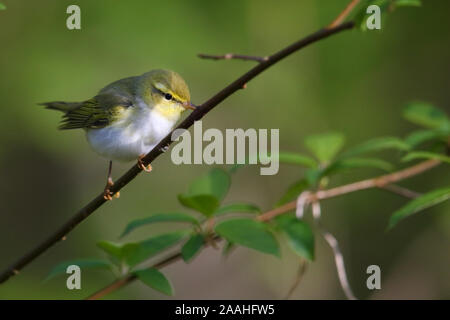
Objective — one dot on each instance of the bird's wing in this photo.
(98, 112)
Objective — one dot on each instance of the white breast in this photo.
(128, 139)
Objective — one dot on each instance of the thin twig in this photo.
(229, 56)
(344, 14)
(330, 193)
(196, 115)
(404, 192)
(380, 181)
(298, 278)
(338, 257)
(377, 182)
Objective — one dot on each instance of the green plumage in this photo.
(98, 112)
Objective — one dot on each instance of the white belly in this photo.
(127, 140)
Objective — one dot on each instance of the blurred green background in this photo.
(355, 83)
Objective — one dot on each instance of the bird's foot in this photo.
(107, 193)
(142, 166)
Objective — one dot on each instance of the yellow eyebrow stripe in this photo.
(159, 86)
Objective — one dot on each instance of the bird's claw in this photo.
(107, 193)
(142, 166)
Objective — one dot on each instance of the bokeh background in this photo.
(355, 83)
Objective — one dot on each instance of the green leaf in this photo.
(423, 202)
(297, 159)
(238, 208)
(2, 6)
(215, 183)
(82, 263)
(192, 246)
(426, 155)
(112, 249)
(293, 191)
(299, 235)
(119, 252)
(352, 163)
(249, 233)
(152, 246)
(204, 203)
(162, 217)
(325, 146)
(377, 144)
(155, 280)
(418, 137)
(205, 193)
(426, 115)
(313, 176)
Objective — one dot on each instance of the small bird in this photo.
(128, 117)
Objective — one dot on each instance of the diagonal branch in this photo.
(378, 182)
(344, 14)
(196, 115)
(269, 215)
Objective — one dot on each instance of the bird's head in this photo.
(166, 91)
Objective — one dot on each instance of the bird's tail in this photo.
(62, 106)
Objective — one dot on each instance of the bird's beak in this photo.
(189, 105)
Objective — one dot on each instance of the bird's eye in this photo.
(168, 96)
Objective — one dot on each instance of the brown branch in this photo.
(229, 56)
(378, 182)
(159, 149)
(319, 195)
(344, 14)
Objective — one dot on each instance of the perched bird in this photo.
(128, 117)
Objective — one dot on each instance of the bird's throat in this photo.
(171, 112)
